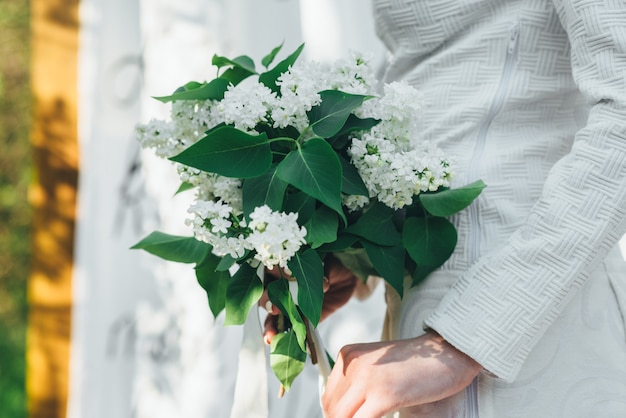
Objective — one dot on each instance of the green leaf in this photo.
(235, 75)
(315, 169)
(184, 186)
(322, 227)
(354, 124)
(243, 62)
(213, 90)
(450, 201)
(376, 225)
(351, 182)
(343, 242)
(279, 294)
(213, 282)
(269, 58)
(331, 360)
(327, 118)
(269, 78)
(174, 248)
(302, 204)
(286, 358)
(225, 263)
(229, 152)
(421, 272)
(388, 262)
(266, 189)
(430, 240)
(308, 270)
(243, 292)
(240, 68)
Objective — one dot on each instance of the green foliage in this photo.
(330, 116)
(174, 248)
(198, 91)
(269, 58)
(309, 272)
(287, 358)
(229, 152)
(315, 169)
(243, 62)
(242, 293)
(266, 189)
(279, 294)
(376, 225)
(351, 182)
(429, 240)
(184, 186)
(389, 262)
(15, 211)
(214, 283)
(322, 227)
(238, 69)
(448, 202)
(269, 78)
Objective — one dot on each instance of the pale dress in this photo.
(536, 289)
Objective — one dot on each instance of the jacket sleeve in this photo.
(502, 306)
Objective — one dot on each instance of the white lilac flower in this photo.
(193, 118)
(229, 190)
(275, 236)
(158, 134)
(246, 105)
(299, 92)
(189, 120)
(211, 223)
(355, 202)
(394, 173)
(300, 87)
(354, 75)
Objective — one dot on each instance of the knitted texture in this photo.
(530, 96)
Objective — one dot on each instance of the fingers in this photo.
(342, 400)
(270, 328)
(326, 284)
(372, 379)
(348, 406)
(337, 272)
(279, 272)
(266, 303)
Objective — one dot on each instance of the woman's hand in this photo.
(371, 380)
(339, 285)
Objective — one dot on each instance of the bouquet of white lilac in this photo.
(294, 163)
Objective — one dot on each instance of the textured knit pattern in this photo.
(530, 96)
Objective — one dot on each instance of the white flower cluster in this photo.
(190, 119)
(300, 87)
(393, 163)
(210, 186)
(273, 236)
(246, 105)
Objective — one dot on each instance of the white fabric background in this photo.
(144, 341)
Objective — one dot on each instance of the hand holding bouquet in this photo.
(292, 164)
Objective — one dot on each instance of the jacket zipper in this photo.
(474, 232)
(481, 137)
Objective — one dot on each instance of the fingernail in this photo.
(269, 306)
